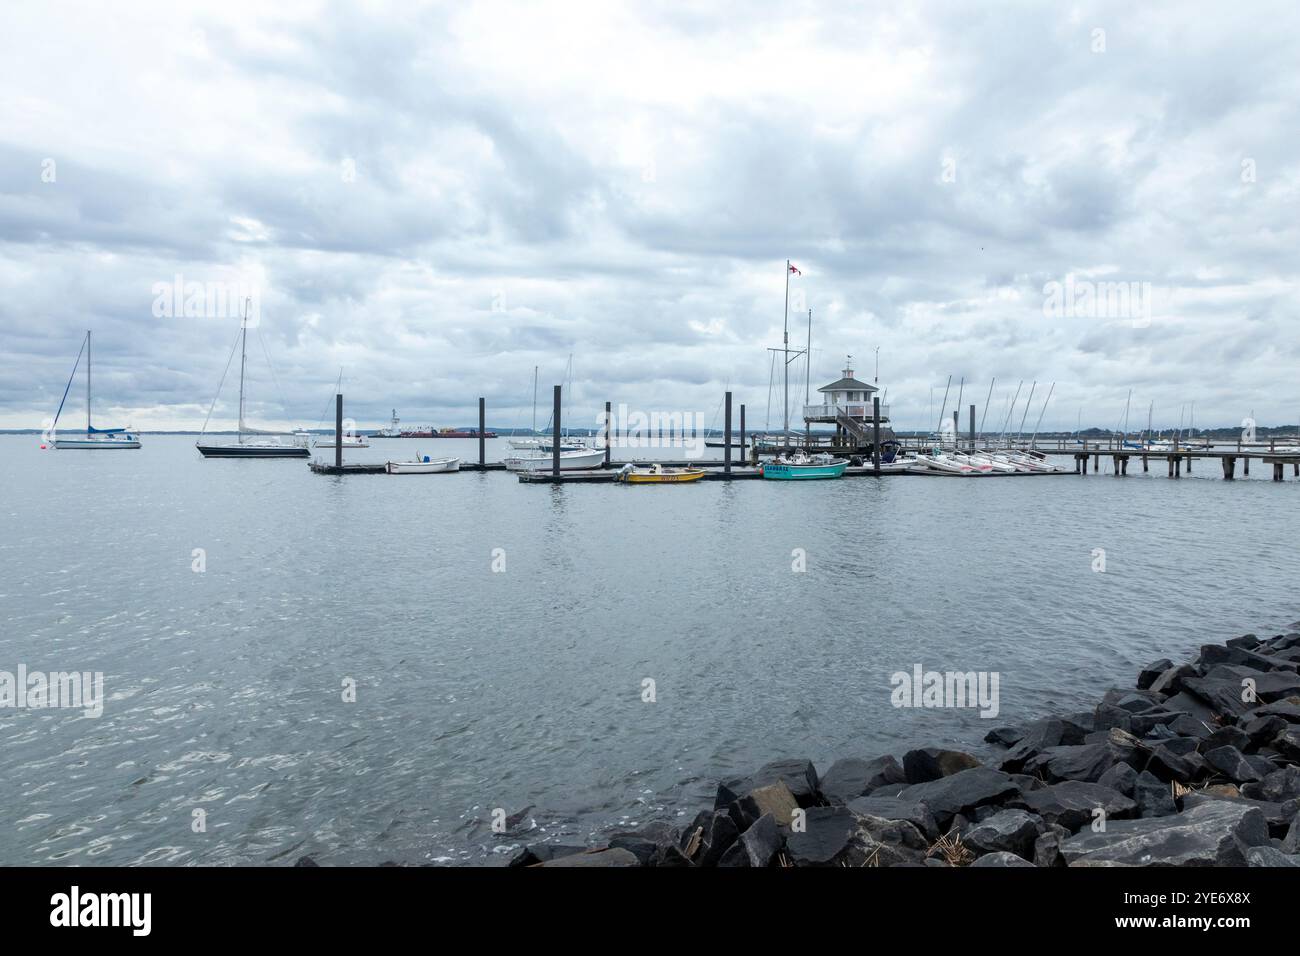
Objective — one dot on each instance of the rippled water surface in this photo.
(478, 689)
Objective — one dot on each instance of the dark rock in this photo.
(1277, 816)
(1212, 654)
(1074, 804)
(1119, 778)
(1181, 746)
(1087, 762)
(1263, 730)
(1047, 849)
(1185, 725)
(1215, 834)
(1038, 736)
(1287, 743)
(761, 842)
(1014, 831)
(594, 858)
(544, 853)
(1226, 737)
(851, 777)
(1193, 706)
(800, 776)
(1134, 702)
(1232, 763)
(831, 836)
(961, 792)
(1291, 843)
(1108, 716)
(648, 844)
(1265, 688)
(1148, 675)
(1223, 697)
(305, 861)
(931, 763)
(1001, 859)
(1154, 797)
(1280, 785)
(1168, 765)
(1171, 681)
(1246, 641)
(709, 836)
(910, 811)
(1287, 709)
(1006, 736)
(1268, 856)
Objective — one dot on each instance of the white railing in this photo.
(858, 410)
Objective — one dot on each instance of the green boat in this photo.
(800, 466)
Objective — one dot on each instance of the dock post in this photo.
(1245, 464)
(1076, 464)
(875, 433)
(607, 413)
(956, 429)
(482, 427)
(742, 433)
(1295, 466)
(1096, 462)
(972, 429)
(1225, 461)
(1145, 465)
(1277, 471)
(338, 431)
(1189, 464)
(1170, 460)
(726, 418)
(555, 437)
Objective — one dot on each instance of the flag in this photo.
(795, 270)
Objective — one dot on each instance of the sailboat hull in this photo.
(253, 451)
(96, 444)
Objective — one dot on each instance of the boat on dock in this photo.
(657, 475)
(96, 439)
(799, 466)
(576, 460)
(423, 465)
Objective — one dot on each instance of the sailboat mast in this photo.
(534, 399)
(785, 349)
(87, 382)
(807, 377)
(243, 359)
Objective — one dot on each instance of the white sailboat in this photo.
(569, 460)
(97, 439)
(250, 442)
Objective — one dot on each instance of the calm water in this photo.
(478, 689)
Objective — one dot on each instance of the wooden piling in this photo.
(1226, 462)
(338, 430)
(1245, 466)
(956, 428)
(482, 432)
(1171, 466)
(875, 433)
(607, 427)
(726, 419)
(1277, 471)
(1145, 465)
(555, 437)
(742, 433)
(972, 428)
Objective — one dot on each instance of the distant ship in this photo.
(392, 431)
(446, 433)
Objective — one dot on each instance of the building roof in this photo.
(847, 385)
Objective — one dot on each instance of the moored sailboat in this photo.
(96, 439)
(250, 442)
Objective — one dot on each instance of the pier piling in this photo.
(972, 429)
(607, 413)
(555, 437)
(726, 458)
(338, 429)
(875, 433)
(742, 433)
(482, 428)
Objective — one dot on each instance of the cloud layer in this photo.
(438, 200)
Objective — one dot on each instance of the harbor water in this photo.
(365, 668)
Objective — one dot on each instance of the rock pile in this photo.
(1198, 765)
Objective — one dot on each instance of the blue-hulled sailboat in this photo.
(95, 439)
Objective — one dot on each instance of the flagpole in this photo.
(786, 350)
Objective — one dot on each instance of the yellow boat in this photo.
(658, 474)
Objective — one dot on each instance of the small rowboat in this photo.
(658, 475)
(423, 466)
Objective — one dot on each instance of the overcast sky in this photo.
(438, 201)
